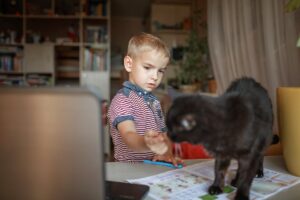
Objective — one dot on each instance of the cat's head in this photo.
(187, 120)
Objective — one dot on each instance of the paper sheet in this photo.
(192, 182)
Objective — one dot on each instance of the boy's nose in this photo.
(155, 76)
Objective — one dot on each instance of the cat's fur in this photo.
(237, 125)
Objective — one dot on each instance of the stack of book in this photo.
(12, 79)
(39, 79)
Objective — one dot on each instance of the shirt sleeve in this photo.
(120, 110)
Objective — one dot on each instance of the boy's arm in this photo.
(138, 142)
(131, 138)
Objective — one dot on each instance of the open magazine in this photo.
(192, 182)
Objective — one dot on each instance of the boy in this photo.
(136, 120)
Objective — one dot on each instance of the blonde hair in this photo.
(146, 42)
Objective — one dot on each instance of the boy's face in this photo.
(147, 69)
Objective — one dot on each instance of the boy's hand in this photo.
(168, 158)
(160, 145)
(156, 142)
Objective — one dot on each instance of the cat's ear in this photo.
(174, 94)
(188, 122)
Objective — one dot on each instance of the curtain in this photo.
(254, 38)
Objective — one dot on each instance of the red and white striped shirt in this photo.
(133, 103)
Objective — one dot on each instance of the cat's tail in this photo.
(275, 139)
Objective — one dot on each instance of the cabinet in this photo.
(55, 42)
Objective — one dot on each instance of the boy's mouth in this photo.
(151, 85)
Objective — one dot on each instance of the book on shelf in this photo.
(67, 63)
(97, 7)
(67, 53)
(11, 59)
(67, 71)
(95, 60)
(6, 63)
(96, 34)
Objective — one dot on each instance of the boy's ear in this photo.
(128, 63)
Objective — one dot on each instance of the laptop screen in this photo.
(51, 144)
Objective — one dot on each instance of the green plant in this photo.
(291, 6)
(193, 68)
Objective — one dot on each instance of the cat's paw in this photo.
(240, 196)
(214, 190)
(259, 173)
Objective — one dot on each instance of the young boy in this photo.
(136, 120)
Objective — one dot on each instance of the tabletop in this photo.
(118, 171)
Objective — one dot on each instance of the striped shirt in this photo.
(143, 108)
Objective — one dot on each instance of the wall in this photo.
(122, 28)
(128, 17)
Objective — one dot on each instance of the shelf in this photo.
(84, 17)
(67, 64)
(38, 79)
(171, 31)
(96, 45)
(67, 75)
(52, 16)
(70, 44)
(11, 16)
(11, 79)
(91, 17)
(11, 44)
(10, 73)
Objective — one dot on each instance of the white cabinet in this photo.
(39, 58)
(98, 80)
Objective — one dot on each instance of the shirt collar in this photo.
(139, 91)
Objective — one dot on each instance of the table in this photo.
(117, 171)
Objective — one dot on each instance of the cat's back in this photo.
(254, 93)
(247, 86)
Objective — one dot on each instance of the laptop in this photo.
(52, 146)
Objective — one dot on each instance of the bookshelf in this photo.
(55, 42)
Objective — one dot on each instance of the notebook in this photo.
(51, 146)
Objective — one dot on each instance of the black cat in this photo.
(237, 125)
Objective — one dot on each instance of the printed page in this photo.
(192, 182)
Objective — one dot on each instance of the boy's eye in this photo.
(162, 71)
(146, 67)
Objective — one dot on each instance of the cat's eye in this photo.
(188, 123)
